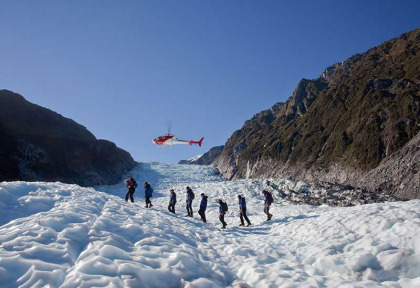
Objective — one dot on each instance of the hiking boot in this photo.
(223, 227)
(151, 205)
(241, 224)
(146, 206)
(187, 215)
(249, 224)
(271, 216)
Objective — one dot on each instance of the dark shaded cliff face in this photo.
(358, 113)
(207, 158)
(38, 144)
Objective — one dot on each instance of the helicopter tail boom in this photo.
(196, 142)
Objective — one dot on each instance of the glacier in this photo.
(63, 235)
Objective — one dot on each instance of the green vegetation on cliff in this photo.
(357, 113)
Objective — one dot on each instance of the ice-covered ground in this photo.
(60, 235)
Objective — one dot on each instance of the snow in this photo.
(61, 235)
(195, 158)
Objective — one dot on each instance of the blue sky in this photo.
(128, 69)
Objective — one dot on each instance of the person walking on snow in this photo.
(222, 212)
(148, 192)
(190, 198)
(268, 199)
(131, 184)
(242, 211)
(203, 206)
(172, 201)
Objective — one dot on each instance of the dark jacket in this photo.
(222, 208)
(189, 195)
(172, 199)
(148, 191)
(131, 184)
(203, 203)
(266, 201)
(242, 203)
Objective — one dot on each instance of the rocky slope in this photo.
(205, 159)
(345, 127)
(399, 172)
(38, 144)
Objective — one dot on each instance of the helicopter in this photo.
(169, 140)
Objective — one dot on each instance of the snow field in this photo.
(67, 236)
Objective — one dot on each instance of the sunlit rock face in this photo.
(347, 127)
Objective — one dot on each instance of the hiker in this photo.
(268, 199)
(131, 184)
(148, 192)
(203, 206)
(242, 210)
(190, 198)
(172, 201)
(222, 211)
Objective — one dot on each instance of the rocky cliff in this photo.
(38, 144)
(349, 126)
(205, 159)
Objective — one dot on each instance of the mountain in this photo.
(341, 127)
(41, 145)
(205, 159)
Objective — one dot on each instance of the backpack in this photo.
(225, 206)
(270, 198)
(134, 184)
(192, 195)
(149, 191)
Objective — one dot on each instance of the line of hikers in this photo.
(131, 184)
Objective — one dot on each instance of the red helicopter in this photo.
(169, 140)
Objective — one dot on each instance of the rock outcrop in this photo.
(350, 126)
(205, 159)
(398, 173)
(38, 144)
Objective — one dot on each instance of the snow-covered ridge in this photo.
(195, 158)
(68, 236)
